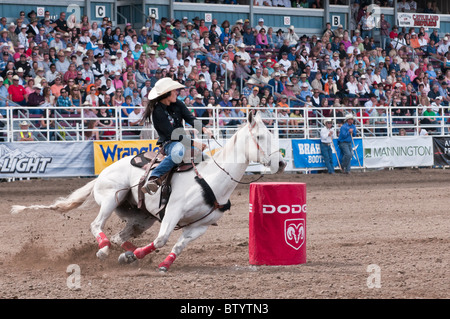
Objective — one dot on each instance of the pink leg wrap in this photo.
(127, 246)
(144, 251)
(168, 261)
(103, 241)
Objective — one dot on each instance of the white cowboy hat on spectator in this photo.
(240, 21)
(16, 77)
(171, 42)
(327, 120)
(348, 116)
(19, 70)
(199, 96)
(113, 57)
(24, 26)
(163, 86)
(23, 123)
(153, 16)
(242, 45)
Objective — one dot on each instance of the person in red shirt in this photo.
(17, 92)
(394, 33)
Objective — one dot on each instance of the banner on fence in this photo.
(46, 159)
(108, 152)
(307, 154)
(415, 20)
(404, 151)
(441, 147)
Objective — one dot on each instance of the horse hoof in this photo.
(127, 258)
(103, 253)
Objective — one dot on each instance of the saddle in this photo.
(150, 160)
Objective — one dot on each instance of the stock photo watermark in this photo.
(374, 278)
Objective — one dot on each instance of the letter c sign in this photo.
(100, 11)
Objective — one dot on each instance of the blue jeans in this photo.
(346, 154)
(175, 153)
(327, 154)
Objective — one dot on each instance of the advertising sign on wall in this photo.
(404, 151)
(108, 152)
(441, 151)
(307, 154)
(46, 159)
(415, 20)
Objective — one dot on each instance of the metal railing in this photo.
(55, 124)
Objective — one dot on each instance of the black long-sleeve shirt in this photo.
(168, 118)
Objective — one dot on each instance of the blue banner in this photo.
(307, 154)
(46, 159)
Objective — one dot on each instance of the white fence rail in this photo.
(57, 124)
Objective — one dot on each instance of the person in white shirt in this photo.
(243, 54)
(335, 61)
(327, 134)
(113, 67)
(171, 52)
(443, 47)
(403, 6)
(352, 87)
(261, 25)
(285, 63)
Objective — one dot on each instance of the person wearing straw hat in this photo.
(346, 133)
(167, 113)
(327, 134)
(24, 134)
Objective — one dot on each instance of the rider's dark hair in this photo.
(151, 106)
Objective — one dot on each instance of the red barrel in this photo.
(277, 224)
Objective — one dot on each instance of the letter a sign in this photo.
(294, 232)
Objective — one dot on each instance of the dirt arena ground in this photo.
(397, 220)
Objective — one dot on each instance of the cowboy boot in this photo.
(152, 185)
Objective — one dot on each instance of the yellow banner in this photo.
(108, 152)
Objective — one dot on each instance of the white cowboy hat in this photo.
(325, 121)
(349, 116)
(23, 123)
(163, 86)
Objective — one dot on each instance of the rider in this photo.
(167, 113)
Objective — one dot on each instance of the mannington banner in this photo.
(404, 151)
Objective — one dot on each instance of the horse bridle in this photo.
(250, 128)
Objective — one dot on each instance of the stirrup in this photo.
(151, 186)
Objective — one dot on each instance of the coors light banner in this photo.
(41, 159)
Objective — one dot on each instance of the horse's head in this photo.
(263, 147)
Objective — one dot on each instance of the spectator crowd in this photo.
(82, 66)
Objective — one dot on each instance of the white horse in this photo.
(186, 207)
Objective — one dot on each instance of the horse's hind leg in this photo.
(106, 209)
(189, 234)
(137, 221)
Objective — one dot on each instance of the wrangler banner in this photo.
(403, 151)
(108, 152)
(46, 159)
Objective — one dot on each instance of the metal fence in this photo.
(87, 123)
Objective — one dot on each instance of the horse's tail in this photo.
(65, 204)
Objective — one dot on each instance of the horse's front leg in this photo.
(189, 234)
(167, 226)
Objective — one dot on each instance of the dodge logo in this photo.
(294, 232)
